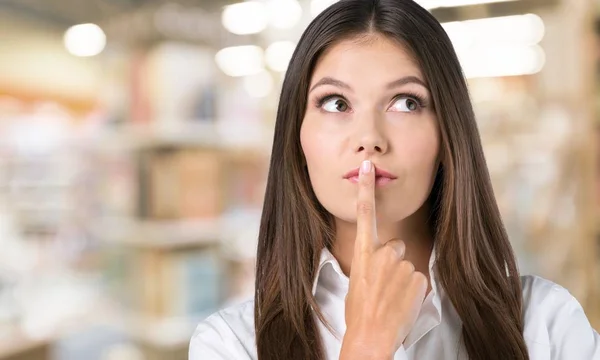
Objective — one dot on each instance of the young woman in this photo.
(380, 235)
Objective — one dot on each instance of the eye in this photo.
(334, 104)
(406, 104)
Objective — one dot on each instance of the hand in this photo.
(385, 293)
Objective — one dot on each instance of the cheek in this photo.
(421, 149)
(421, 164)
(421, 152)
(321, 150)
(320, 146)
(308, 142)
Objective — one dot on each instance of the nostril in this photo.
(374, 148)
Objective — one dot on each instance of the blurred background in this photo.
(134, 148)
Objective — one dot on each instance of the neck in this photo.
(413, 231)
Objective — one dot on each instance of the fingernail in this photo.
(365, 167)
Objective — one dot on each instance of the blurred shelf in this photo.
(233, 137)
(495, 9)
(41, 206)
(166, 234)
(166, 332)
(14, 343)
(160, 331)
(41, 183)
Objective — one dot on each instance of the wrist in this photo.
(360, 354)
(355, 346)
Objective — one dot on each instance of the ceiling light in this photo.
(284, 14)
(85, 40)
(250, 17)
(522, 29)
(433, 4)
(502, 60)
(278, 55)
(317, 6)
(240, 60)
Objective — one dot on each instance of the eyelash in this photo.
(421, 102)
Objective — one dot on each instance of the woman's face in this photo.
(368, 100)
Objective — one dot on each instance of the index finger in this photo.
(366, 224)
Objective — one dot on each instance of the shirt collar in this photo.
(327, 259)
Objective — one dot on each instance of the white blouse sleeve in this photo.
(555, 320)
(214, 340)
(571, 334)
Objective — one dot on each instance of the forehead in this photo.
(371, 58)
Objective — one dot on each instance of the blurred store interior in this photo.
(134, 147)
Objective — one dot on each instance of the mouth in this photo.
(382, 177)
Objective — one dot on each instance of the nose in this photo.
(370, 138)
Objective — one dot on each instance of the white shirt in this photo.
(556, 328)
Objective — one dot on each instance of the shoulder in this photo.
(226, 334)
(545, 298)
(545, 303)
(538, 290)
(555, 319)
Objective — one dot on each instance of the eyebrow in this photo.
(394, 84)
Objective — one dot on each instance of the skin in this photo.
(381, 232)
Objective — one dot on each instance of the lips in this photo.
(382, 177)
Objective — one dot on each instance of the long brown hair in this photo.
(475, 263)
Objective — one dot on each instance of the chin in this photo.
(384, 216)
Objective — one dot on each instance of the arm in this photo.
(571, 334)
(214, 340)
(348, 354)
